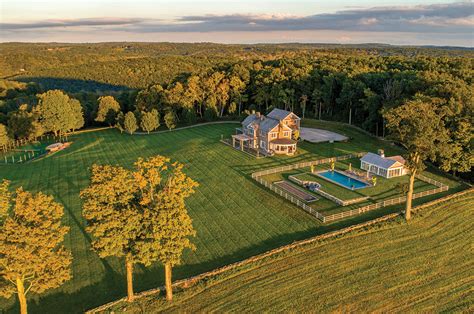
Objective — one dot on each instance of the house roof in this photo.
(398, 158)
(250, 118)
(268, 124)
(279, 114)
(381, 162)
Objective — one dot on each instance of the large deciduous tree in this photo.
(107, 110)
(113, 218)
(150, 121)
(140, 215)
(171, 221)
(163, 189)
(76, 116)
(59, 113)
(419, 127)
(32, 258)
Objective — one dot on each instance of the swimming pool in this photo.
(343, 180)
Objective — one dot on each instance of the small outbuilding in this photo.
(387, 167)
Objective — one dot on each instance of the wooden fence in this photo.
(440, 187)
(304, 164)
(257, 177)
(393, 201)
(290, 197)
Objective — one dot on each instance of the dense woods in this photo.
(172, 84)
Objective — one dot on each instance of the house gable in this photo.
(279, 114)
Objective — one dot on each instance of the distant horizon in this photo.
(240, 44)
(395, 22)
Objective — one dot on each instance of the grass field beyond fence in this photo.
(418, 267)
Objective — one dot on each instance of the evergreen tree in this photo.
(32, 258)
(130, 122)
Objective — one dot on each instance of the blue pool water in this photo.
(342, 179)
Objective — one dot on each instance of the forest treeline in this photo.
(204, 82)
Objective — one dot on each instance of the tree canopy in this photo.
(150, 121)
(59, 113)
(32, 258)
(130, 122)
(107, 111)
(419, 127)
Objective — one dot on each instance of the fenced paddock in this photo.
(302, 195)
(440, 187)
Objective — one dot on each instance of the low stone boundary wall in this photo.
(185, 283)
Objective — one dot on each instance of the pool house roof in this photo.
(383, 162)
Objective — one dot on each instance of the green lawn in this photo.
(424, 266)
(234, 216)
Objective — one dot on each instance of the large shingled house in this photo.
(273, 133)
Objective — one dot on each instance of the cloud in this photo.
(452, 19)
(58, 23)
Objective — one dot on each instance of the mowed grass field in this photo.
(234, 216)
(424, 266)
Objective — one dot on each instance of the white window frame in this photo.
(286, 133)
(273, 135)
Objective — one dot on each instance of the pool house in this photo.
(387, 167)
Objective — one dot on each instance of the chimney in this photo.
(257, 114)
(381, 153)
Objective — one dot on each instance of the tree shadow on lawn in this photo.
(112, 285)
